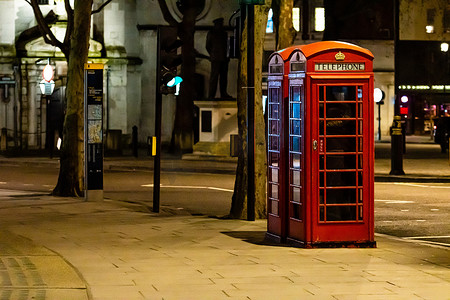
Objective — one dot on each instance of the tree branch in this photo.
(166, 13)
(101, 7)
(68, 8)
(47, 34)
(69, 28)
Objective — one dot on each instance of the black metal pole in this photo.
(16, 93)
(379, 121)
(134, 140)
(250, 113)
(158, 111)
(396, 130)
(108, 78)
(396, 56)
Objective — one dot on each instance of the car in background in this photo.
(442, 132)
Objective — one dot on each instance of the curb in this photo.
(408, 178)
(228, 170)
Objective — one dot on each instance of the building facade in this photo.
(123, 37)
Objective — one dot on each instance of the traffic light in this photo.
(404, 105)
(169, 60)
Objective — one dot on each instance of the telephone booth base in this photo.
(341, 244)
(273, 238)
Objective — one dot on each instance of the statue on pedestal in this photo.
(217, 45)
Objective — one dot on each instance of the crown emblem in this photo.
(339, 56)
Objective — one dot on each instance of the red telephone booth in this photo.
(321, 146)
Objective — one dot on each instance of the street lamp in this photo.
(378, 96)
(47, 85)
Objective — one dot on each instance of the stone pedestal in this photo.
(217, 120)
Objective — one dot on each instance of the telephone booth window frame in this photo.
(274, 132)
(296, 125)
(341, 202)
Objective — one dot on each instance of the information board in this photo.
(93, 130)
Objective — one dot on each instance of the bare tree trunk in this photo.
(239, 201)
(70, 180)
(183, 134)
(261, 12)
(75, 48)
(184, 116)
(285, 30)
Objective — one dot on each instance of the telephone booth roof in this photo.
(319, 47)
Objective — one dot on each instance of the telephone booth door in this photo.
(276, 206)
(341, 145)
(342, 149)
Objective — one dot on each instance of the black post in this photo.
(158, 111)
(396, 56)
(396, 130)
(250, 113)
(134, 140)
(379, 121)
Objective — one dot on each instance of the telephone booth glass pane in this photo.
(296, 129)
(340, 127)
(274, 124)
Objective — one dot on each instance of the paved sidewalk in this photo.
(121, 252)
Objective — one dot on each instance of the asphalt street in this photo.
(417, 211)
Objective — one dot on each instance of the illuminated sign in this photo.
(341, 66)
(432, 88)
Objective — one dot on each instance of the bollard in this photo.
(396, 147)
(234, 145)
(134, 141)
(404, 137)
(151, 146)
(3, 138)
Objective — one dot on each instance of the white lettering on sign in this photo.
(296, 82)
(274, 84)
(339, 66)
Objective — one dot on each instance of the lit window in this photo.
(296, 18)
(319, 18)
(444, 47)
(269, 28)
(429, 28)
